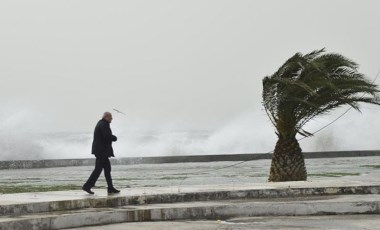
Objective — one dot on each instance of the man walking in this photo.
(102, 149)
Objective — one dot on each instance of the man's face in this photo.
(108, 118)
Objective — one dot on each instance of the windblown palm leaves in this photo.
(307, 86)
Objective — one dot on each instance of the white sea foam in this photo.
(250, 132)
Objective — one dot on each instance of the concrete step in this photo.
(19, 204)
(215, 210)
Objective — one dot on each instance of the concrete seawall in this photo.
(70, 209)
(27, 164)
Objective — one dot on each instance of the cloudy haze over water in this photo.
(187, 73)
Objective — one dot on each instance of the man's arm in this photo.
(107, 134)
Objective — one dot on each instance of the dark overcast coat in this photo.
(103, 138)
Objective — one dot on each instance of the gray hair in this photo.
(106, 114)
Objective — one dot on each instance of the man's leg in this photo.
(95, 174)
(107, 172)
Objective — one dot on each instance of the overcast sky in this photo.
(195, 63)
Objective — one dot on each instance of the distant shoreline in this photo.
(52, 163)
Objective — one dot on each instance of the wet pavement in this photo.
(346, 222)
(363, 169)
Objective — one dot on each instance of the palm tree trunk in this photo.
(288, 163)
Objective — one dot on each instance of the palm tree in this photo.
(304, 87)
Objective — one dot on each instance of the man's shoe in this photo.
(113, 191)
(88, 190)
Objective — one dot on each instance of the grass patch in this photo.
(172, 178)
(129, 179)
(333, 174)
(189, 173)
(228, 176)
(258, 175)
(39, 188)
(371, 166)
(11, 182)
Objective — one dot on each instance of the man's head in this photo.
(107, 116)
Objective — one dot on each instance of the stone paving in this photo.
(179, 180)
(365, 169)
(65, 209)
(346, 222)
(38, 197)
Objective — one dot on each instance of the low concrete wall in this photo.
(26, 164)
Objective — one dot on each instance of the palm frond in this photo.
(309, 85)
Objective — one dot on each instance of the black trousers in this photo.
(102, 162)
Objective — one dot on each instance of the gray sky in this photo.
(197, 64)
